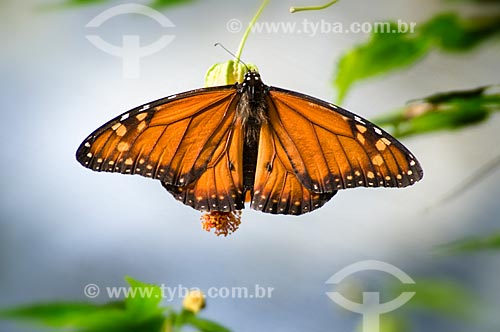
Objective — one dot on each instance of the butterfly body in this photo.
(251, 110)
(213, 148)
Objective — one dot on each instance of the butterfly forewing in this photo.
(331, 148)
(172, 139)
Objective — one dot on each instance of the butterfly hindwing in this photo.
(277, 189)
(172, 139)
(220, 187)
(331, 148)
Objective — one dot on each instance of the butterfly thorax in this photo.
(251, 110)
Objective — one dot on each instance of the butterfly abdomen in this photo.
(251, 109)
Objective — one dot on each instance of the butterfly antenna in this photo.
(231, 53)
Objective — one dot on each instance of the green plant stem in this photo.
(301, 9)
(249, 28)
(476, 177)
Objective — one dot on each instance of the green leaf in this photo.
(491, 242)
(67, 4)
(186, 317)
(202, 324)
(443, 111)
(112, 317)
(476, 1)
(387, 52)
(383, 53)
(160, 4)
(83, 2)
(139, 312)
(143, 300)
(154, 324)
(452, 33)
(442, 97)
(441, 297)
(388, 323)
(81, 315)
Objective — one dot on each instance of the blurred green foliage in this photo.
(383, 53)
(76, 3)
(434, 297)
(158, 4)
(490, 242)
(139, 312)
(477, 1)
(443, 111)
(386, 52)
(441, 297)
(390, 323)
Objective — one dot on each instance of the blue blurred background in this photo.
(63, 226)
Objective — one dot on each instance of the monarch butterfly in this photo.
(216, 148)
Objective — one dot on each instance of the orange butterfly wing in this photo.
(220, 187)
(172, 139)
(310, 149)
(277, 188)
